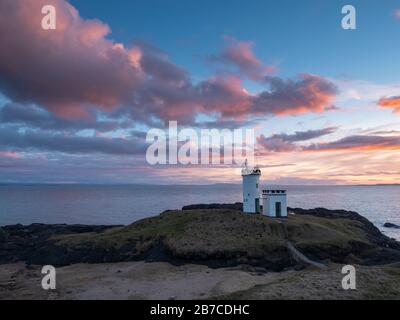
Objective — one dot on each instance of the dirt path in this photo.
(295, 253)
(300, 257)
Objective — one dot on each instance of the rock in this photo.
(27, 243)
(391, 225)
(232, 206)
(3, 235)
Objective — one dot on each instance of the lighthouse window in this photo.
(257, 185)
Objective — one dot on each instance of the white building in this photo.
(274, 203)
(251, 191)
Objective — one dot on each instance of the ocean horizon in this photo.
(99, 204)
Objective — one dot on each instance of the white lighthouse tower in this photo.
(251, 191)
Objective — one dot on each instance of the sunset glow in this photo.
(76, 102)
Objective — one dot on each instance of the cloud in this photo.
(76, 71)
(390, 102)
(286, 142)
(397, 14)
(305, 135)
(239, 54)
(10, 154)
(307, 93)
(302, 181)
(366, 174)
(65, 70)
(35, 117)
(385, 132)
(156, 64)
(359, 143)
(225, 95)
(272, 144)
(33, 140)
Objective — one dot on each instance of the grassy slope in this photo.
(220, 227)
(227, 234)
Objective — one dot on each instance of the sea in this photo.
(124, 204)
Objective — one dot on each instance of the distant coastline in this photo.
(189, 184)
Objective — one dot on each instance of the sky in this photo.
(77, 102)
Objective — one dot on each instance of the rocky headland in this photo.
(215, 238)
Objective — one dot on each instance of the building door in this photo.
(257, 205)
(278, 209)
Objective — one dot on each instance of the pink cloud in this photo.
(10, 154)
(240, 55)
(307, 93)
(75, 68)
(67, 69)
(225, 95)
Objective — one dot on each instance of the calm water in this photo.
(123, 204)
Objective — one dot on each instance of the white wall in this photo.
(268, 202)
(251, 191)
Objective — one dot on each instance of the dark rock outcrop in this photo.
(391, 225)
(19, 242)
(232, 206)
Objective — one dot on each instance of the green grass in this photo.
(224, 233)
(144, 230)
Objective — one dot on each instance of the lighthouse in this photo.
(251, 191)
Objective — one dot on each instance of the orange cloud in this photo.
(390, 102)
(340, 166)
